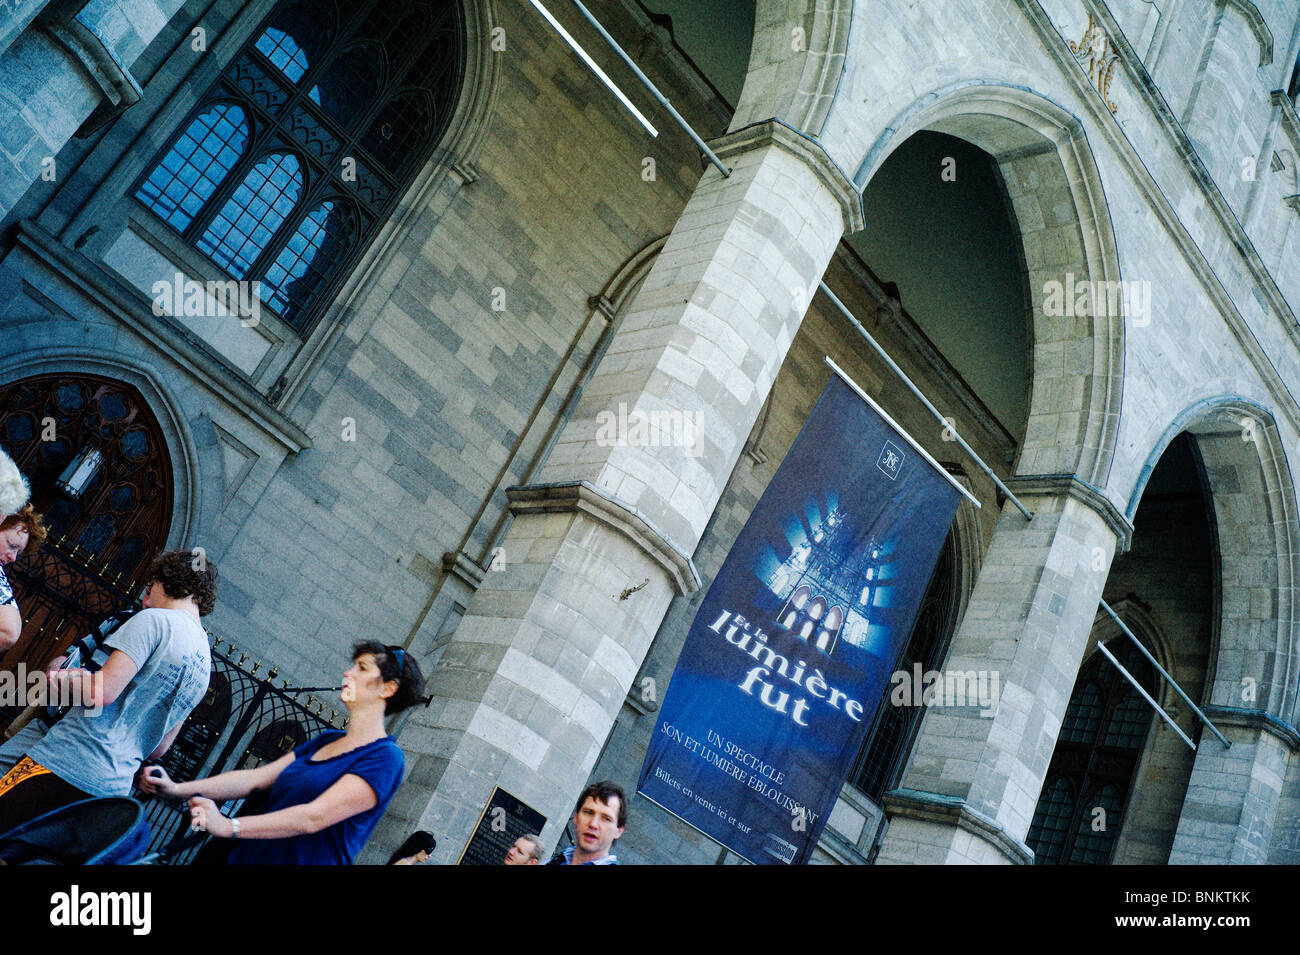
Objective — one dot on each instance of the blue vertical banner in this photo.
(793, 646)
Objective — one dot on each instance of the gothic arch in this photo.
(796, 60)
(1254, 517)
(183, 454)
(1059, 210)
(449, 166)
(463, 139)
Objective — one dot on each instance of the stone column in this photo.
(530, 684)
(969, 792)
(1232, 798)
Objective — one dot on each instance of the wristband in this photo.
(234, 828)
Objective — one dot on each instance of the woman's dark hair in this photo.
(186, 572)
(414, 843)
(395, 664)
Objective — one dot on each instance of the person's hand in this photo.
(154, 781)
(204, 817)
(56, 664)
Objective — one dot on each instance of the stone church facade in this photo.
(470, 257)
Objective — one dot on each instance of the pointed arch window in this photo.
(294, 158)
(253, 213)
(880, 762)
(198, 161)
(1081, 808)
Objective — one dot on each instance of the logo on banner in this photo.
(891, 460)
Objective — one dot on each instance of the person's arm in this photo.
(11, 625)
(240, 782)
(347, 797)
(166, 743)
(102, 688)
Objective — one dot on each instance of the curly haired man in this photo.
(133, 707)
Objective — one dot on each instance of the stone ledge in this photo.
(117, 88)
(463, 568)
(1083, 492)
(933, 807)
(569, 497)
(114, 298)
(1255, 720)
(773, 132)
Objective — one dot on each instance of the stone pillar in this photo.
(528, 687)
(969, 792)
(1232, 798)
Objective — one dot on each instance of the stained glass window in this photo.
(1052, 821)
(1080, 811)
(297, 154)
(198, 161)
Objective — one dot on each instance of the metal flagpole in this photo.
(654, 90)
(1145, 695)
(1187, 699)
(925, 401)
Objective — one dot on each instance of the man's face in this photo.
(596, 826)
(12, 543)
(153, 595)
(521, 853)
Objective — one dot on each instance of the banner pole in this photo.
(893, 366)
(1145, 695)
(660, 98)
(1172, 682)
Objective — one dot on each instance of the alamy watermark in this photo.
(20, 688)
(661, 428)
(1086, 298)
(184, 297)
(913, 687)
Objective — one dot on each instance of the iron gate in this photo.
(242, 722)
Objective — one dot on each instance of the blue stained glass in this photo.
(256, 209)
(303, 264)
(97, 534)
(113, 408)
(69, 397)
(284, 52)
(192, 169)
(121, 498)
(20, 428)
(135, 444)
(127, 558)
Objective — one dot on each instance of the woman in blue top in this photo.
(325, 796)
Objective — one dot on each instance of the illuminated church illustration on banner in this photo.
(831, 581)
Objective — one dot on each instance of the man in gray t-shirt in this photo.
(157, 673)
(100, 754)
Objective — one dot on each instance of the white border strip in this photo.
(586, 58)
(907, 437)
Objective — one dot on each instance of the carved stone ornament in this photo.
(1094, 53)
